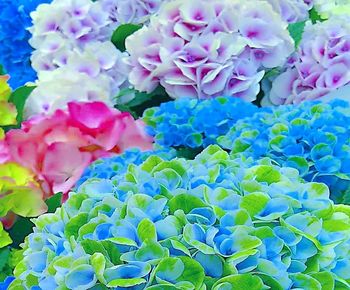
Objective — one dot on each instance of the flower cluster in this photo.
(328, 8)
(313, 137)
(292, 11)
(14, 49)
(203, 49)
(58, 147)
(19, 194)
(109, 167)
(72, 47)
(194, 123)
(208, 223)
(8, 111)
(131, 11)
(320, 66)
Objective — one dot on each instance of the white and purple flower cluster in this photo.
(72, 41)
(207, 49)
(321, 64)
(131, 11)
(292, 11)
(72, 47)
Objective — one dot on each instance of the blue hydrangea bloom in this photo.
(195, 123)
(313, 137)
(216, 222)
(107, 168)
(4, 285)
(15, 50)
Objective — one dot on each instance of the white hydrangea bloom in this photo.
(73, 38)
(205, 49)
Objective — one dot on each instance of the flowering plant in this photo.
(58, 147)
(8, 111)
(292, 11)
(19, 194)
(332, 7)
(72, 46)
(320, 65)
(185, 122)
(212, 222)
(205, 49)
(14, 49)
(312, 137)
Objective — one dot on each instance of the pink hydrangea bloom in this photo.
(204, 49)
(58, 147)
(320, 66)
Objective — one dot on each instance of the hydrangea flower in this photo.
(327, 8)
(58, 147)
(292, 11)
(108, 167)
(203, 49)
(209, 223)
(312, 137)
(14, 49)
(4, 285)
(131, 11)
(8, 111)
(194, 123)
(20, 194)
(73, 47)
(319, 67)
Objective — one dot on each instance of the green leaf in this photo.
(314, 16)
(4, 257)
(18, 98)
(146, 231)
(240, 281)
(296, 31)
(5, 239)
(22, 228)
(185, 202)
(54, 202)
(121, 33)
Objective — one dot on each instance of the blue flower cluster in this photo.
(216, 222)
(195, 123)
(107, 168)
(15, 50)
(4, 285)
(313, 137)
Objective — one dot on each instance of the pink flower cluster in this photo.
(204, 49)
(59, 147)
(321, 65)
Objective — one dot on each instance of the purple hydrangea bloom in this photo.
(292, 11)
(320, 66)
(204, 49)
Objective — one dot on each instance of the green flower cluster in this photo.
(215, 222)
